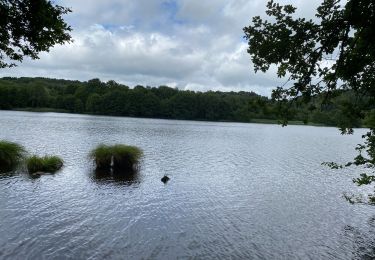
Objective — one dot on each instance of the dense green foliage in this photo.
(333, 53)
(49, 164)
(28, 27)
(11, 154)
(336, 50)
(111, 98)
(118, 157)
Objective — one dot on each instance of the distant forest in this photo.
(111, 98)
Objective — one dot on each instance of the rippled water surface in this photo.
(243, 191)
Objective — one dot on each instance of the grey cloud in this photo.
(198, 47)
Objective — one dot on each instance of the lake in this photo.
(242, 191)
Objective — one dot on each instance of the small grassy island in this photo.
(117, 157)
(45, 164)
(11, 154)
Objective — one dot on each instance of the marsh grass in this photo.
(46, 163)
(118, 157)
(125, 157)
(11, 154)
(102, 156)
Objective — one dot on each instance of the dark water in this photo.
(242, 191)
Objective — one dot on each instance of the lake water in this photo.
(242, 191)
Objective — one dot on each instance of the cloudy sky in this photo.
(189, 44)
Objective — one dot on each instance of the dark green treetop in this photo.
(336, 50)
(28, 27)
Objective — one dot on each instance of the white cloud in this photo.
(188, 44)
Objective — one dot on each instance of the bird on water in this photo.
(165, 179)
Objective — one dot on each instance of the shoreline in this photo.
(253, 121)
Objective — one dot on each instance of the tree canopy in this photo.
(28, 27)
(334, 51)
(112, 98)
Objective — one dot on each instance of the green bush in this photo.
(47, 163)
(11, 154)
(118, 157)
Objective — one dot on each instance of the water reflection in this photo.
(4, 171)
(24, 173)
(241, 191)
(11, 172)
(104, 176)
(363, 241)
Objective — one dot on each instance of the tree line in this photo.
(112, 98)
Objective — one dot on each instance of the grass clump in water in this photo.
(11, 154)
(117, 157)
(125, 156)
(102, 156)
(46, 163)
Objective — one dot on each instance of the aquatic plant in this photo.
(46, 163)
(11, 154)
(102, 156)
(125, 156)
(117, 157)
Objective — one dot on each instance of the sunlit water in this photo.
(243, 191)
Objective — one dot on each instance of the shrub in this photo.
(119, 157)
(11, 154)
(47, 163)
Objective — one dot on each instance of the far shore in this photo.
(253, 121)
